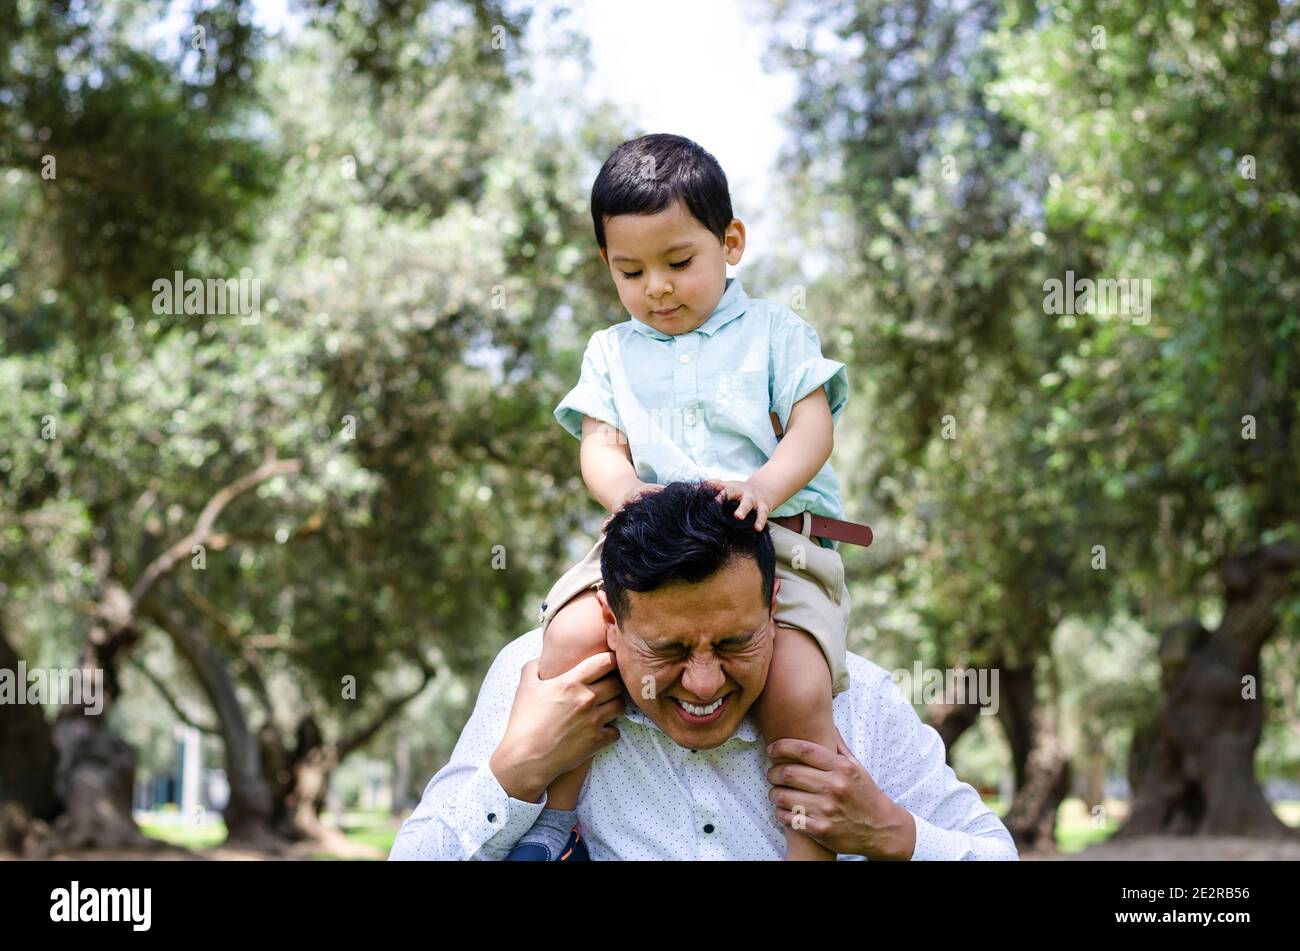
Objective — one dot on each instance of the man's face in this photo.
(696, 644)
(669, 261)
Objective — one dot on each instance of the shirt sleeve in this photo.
(909, 765)
(797, 368)
(464, 813)
(594, 394)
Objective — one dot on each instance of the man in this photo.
(688, 597)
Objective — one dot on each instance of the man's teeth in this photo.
(700, 711)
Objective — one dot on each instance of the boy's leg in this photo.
(796, 702)
(575, 633)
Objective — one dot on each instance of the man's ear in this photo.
(776, 589)
(606, 615)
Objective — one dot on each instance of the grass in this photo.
(1076, 829)
(186, 835)
(376, 829)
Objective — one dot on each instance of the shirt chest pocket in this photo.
(740, 401)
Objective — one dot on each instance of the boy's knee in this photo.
(799, 675)
(575, 633)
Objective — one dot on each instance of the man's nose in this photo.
(703, 678)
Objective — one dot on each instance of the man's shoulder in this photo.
(866, 678)
(521, 650)
(511, 658)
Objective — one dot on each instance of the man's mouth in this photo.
(695, 714)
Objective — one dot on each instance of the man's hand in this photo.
(836, 801)
(752, 495)
(557, 724)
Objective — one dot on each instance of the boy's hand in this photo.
(645, 488)
(753, 497)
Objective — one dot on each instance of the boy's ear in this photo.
(733, 242)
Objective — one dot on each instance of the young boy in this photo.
(698, 385)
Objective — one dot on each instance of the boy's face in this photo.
(668, 261)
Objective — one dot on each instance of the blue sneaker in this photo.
(575, 850)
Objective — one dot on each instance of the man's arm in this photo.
(464, 813)
(515, 744)
(907, 761)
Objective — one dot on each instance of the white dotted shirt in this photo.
(646, 797)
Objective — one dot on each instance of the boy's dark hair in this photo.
(646, 175)
(679, 533)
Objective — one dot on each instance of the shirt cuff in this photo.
(807, 377)
(488, 820)
(937, 845)
(585, 400)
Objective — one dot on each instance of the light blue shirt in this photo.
(695, 405)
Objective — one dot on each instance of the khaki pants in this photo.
(813, 595)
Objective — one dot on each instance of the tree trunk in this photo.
(27, 764)
(95, 779)
(1041, 767)
(28, 760)
(401, 776)
(95, 774)
(1094, 778)
(952, 720)
(248, 813)
(1192, 768)
(303, 781)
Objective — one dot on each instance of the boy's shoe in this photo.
(575, 850)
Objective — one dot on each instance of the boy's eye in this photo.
(678, 266)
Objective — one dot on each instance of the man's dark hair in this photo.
(646, 175)
(679, 533)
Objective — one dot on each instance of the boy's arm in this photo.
(606, 460)
(799, 456)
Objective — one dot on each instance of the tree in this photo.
(1172, 132)
(931, 192)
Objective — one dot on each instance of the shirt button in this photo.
(492, 817)
(709, 827)
(690, 419)
(684, 358)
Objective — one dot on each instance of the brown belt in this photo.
(832, 528)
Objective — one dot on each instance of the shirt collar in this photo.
(746, 731)
(733, 303)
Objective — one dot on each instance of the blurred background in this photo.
(289, 289)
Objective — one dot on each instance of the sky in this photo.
(691, 67)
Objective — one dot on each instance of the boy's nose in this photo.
(658, 289)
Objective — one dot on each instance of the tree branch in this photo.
(230, 630)
(361, 737)
(203, 526)
(170, 698)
